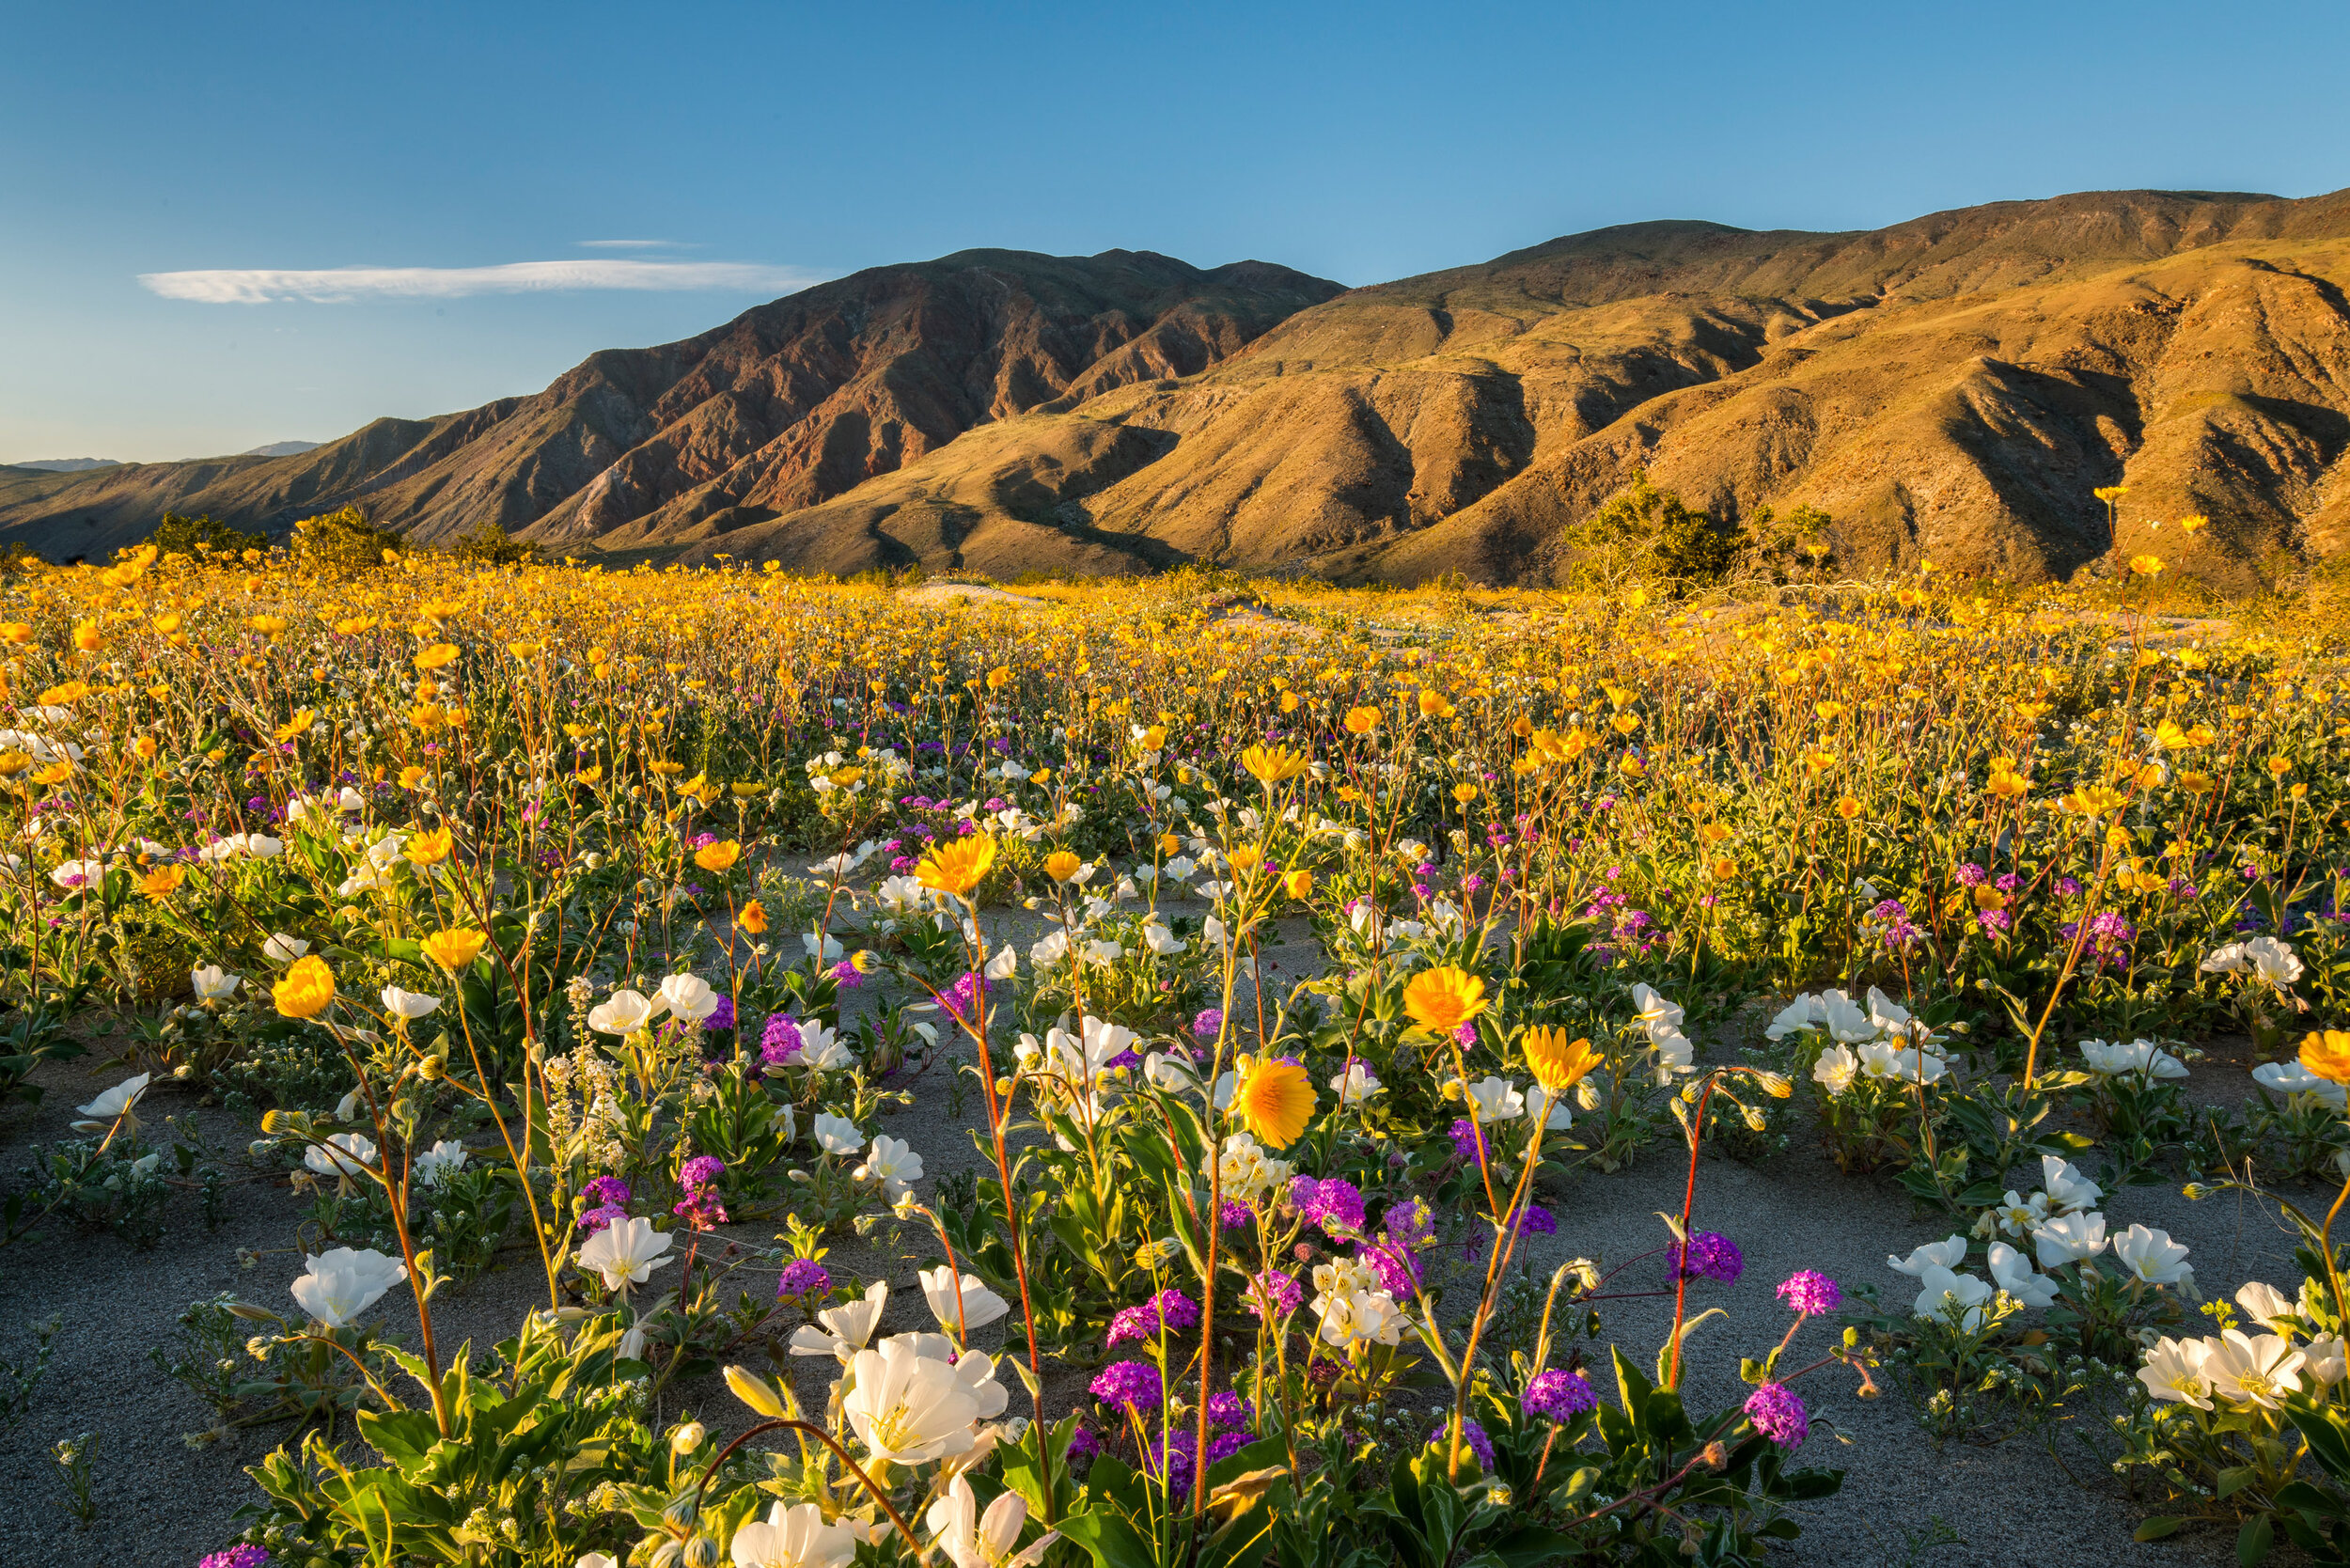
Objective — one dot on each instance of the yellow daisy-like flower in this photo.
(1444, 999)
(453, 950)
(719, 857)
(1361, 721)
(752, 917)
(1061, 865)
(2327, 1053)
(307, 990)
(958, 866)
(429, 847)
(162, 881)
(1271, 765)
(437, 656)
(1559, 1063)
(1273, 1100)
(1300, 884)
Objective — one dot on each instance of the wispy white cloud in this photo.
(344, 285)
(631, 245)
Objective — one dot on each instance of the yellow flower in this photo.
(1061, 865)
(162, 881)
(958, 866)
(1443, 998)
(1361, 721)
(1848, 808)
(429, 847)
(2327, 1053)
(307, 990)
(1465, 792)
(268, 625)
(13, 762)
(2146, 566)
(1273, 1100)
(436, 656)
(1559, 1063)
(1246, 858)
(410, 777)
(1723, 869)
(1169, 844)
(88, 638)
(998, 678)
(752, 917)
(145, 746)
(1300, 884)
(1434, 705)
(453, 950)
(719, 857)
(1271, 765)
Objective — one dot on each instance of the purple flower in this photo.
(597, 1218)
(237, 1556)
(1235, 1215)
(1169, 1310)
(1176, 1310)
(803, 1276)
(701, 1209)
(1810, 1293)
(1272, 1293)
(1226, 1444)
(1710, 1256)
(1133, 1323)
(1777, 1412)
(1996, 921)
(1398, 1272)
(964, 994)
(1334, 1204)
(700, 1170)
(1228, 1409)
(1083, 1444)
(1208, 1025)
(1472, 1436)
(1973, 875)
(1560, 1395)
(1465, 1137)
(779, 1042)
(846, 975)
(607, 1189)
(722, 1016)
(1132, 1384)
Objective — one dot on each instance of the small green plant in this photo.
(73, 1458)
(20, 1380)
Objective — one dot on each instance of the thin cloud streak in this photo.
(631, 245)
(346, 285)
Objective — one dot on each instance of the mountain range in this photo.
(1951, 388)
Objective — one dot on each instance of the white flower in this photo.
(2245, 1370)
(336, 1287)
(837, 1135)
(1005, 965)
(438, 1162)
(823, 1049)
(1051, 950)
(2291, 1077)
(282, 948)
(1162, 940)
(1169, 1072)
(2019, 1215)
(1351, 1316)
(408, 1004)
(1652, 1012)
(831, 944)
(213, 984)
(1675, 1052)
(893, 1163)
(2066, 1187)
(79, 874)
(344, 1155)
(121, 1101)
(2263, 1304)
(1495, 1098)
(1844, 1019)
(2071, 1239)
(626, 1252)
(2323, 1363)
(625, 1012)
(907, 1408)
(846, 1328)
(979, 1305)
(2139, 1056)
(793, 1537)
(972, 1540)
(1796, 1016)
(1556, 1114)
(261, 847)
(1181, 868)
(2152, 1255)
(2012, 1273)
(595, 1559)
(2173, 1369)
(1942, 1254)
(1836, 1068)
(1960, 1300)
(2271, 960)
(689, 997)
(1355, 1085)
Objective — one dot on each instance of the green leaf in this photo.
(2253, 1540)
(1109, 1540)
(2154, 1530)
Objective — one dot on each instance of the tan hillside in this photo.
(784, 407)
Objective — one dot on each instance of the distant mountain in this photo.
(1950, 388)
(787, 406)
(67, 465)
(282, 448)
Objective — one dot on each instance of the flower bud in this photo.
(679, 1516)
(1717, 1456)
(686, 1438)
(701, 1552)
(755, 1391)
(433, 1069)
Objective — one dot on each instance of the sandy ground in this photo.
(164, 1504)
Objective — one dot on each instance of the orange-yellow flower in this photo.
(162, 881)
(429, 847)
(1271, 765)
(1273, 1100)
(958, 866)
(1300, 884)
(436, 656)
(753, 918)
(2327, 1053)
(718, 857)
(1559, 1063)
(1061, 865)
(307, 990)
(1361, 721)
(1444, 999)
(454, 948)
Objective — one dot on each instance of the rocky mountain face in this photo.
(1951, 388)
(785, 407)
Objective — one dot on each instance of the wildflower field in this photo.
(670, 1068)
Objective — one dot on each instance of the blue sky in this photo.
(786, 142)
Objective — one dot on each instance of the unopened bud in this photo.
(433, 1069)
(686, 1438)
(1717, 1456)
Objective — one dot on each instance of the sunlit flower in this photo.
(624, 1012)
(973, 1539)
(2174, 1371)
(1273, 1100)
(625, 1253)
(454, 948)
(957, 865)
(307, 990)
(979, 1306)
(909, 1408)
(121, 1101)
(2261, 1370)
(213, 983)
(339, 1285)
(1443, 998)
(408, 1004)
(846, 1328)
(893, 1163)
(793, 1535)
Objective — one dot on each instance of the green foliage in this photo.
(202, 535)
(343, 540)
(491, 545)
(1645, 532)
